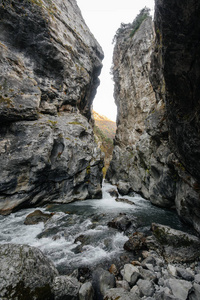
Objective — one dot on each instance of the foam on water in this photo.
(85, 221)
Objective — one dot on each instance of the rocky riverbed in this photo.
(108, 253)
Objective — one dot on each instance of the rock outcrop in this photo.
(157, 154)
(49, 68)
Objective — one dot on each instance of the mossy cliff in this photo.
(157, 145)
(49, 68)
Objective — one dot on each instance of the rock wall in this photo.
(163, 162)
(49, 68)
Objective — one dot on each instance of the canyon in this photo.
(49, 156)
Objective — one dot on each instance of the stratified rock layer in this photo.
(49, 68)
(158, 152)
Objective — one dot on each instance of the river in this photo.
(78, 236)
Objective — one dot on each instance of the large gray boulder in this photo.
(175, 245)
(25, 273)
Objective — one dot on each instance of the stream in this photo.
(77, 236)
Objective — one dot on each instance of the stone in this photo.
(123, 200)
(123, 284)
(197, 278)
(123, 188)
(148, 275)
(47, 145)
(113, 193)
(25, 272)
(36, 217)
(113, 270)
(146, 287)
(179, 288)
(137, 241)
(177, 245)
(185, 274)
(195, 294)
(119, 293)
(66, 287)
(86, 291)
(102, 281)
(131, 274)
(121, 222)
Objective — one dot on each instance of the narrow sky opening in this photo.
(104, 18)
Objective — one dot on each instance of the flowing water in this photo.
(78, 236)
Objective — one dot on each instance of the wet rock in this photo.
(123, 200)
(25, 272)
(122, 222)
(136, 242)
(65, 287)
(176, 245)
(102, 281)
(113, 193)
(146, 287)
(36, 217)
(86, 291)
(123, 188)
(131, 274)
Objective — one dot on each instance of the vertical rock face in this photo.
(49, 68)
(163, 163)
(135, 98)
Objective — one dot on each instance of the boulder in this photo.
(86, 291)
(195, 294)
(175, 244)
(36, 217)
(179, 288)
(131, 274)
(123, 188)
(146, 287)
(102, 281)
(65, 288)
(185, 274)
(113, 193)
(121, 222)
(137, 241)
(25, 273)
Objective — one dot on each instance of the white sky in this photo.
(104, 18)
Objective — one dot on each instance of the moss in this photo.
(88, 170)
(5, 100)
(52, 123)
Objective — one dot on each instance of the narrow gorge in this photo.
(136, 234)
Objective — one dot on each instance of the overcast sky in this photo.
(104, 18)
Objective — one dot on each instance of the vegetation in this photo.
(104, 130)
(144, 14)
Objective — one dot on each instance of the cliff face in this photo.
(177, 57)
(162, 162)
(49, 68)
